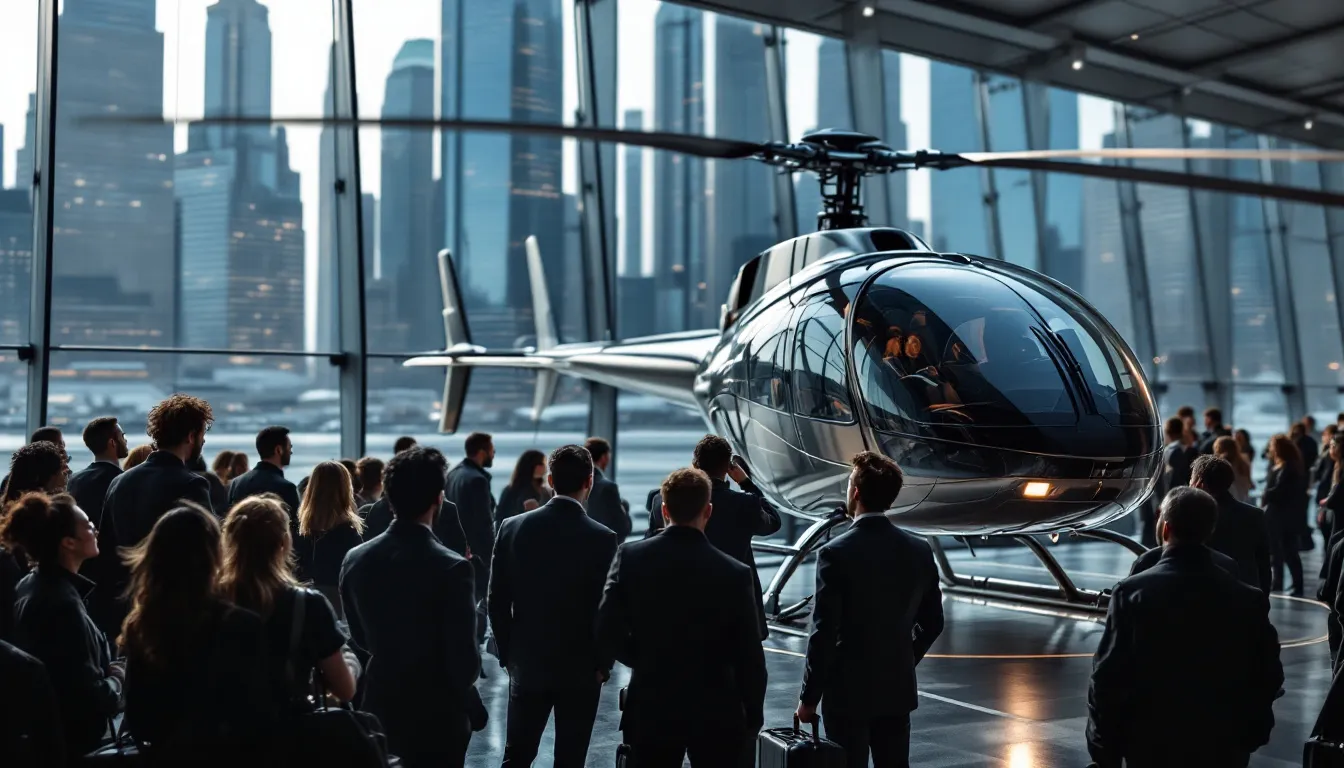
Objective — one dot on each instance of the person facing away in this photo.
(738, 516)
(468, 488)
(1226, 449)
(256, 575)
(50, 620)
(107, 442)
(605, 504)
(274, 450)
(1322, 479)
(39, 466)
(30, 718)
(40, 435)
(196, 693)
(1188, 666)
(369, 474)
(877, 611)
(546, 579)
(140, 495)
(1302, 435)
(136, 457)
(527, 488)
(1213, 429)
(404, 443)
(682, 616)
(410, 603)
(1328, 590)
(1283, 501)
(329, 527)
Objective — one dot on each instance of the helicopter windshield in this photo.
(938, 344)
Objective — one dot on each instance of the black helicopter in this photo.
(1012, 405)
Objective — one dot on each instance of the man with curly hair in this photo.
(137, 498)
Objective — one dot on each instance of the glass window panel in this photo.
(1312, 277)
(1005, 114)
(819, 387)
(1263, 412)
(246, 394)
(1325, 403)
(816, 80)
(405, 402)
(13, 404)
(958, 222)
(652, 439)
(1171, 396)
(18, 60)
(1169, 250)
(196, 237)
(688, 71)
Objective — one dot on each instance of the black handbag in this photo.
(1322, 754)
(123, 752)
(325, 735)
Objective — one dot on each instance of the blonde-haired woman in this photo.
(256, 574)
(1226, 448)
(329, 527)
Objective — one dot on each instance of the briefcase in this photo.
(1322, 754)
(791, 748)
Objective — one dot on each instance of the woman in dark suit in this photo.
(1283, 497)
(527, 487)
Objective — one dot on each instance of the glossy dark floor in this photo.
(1002, 687)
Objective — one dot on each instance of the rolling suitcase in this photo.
(791, 748)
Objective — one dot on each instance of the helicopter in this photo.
(1012, 406)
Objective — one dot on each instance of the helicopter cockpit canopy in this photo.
(943, 348)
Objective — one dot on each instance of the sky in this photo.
(301, 37)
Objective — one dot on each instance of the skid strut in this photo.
(793, 557)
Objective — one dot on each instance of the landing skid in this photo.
(1062, 594)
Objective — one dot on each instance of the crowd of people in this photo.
(210, 607)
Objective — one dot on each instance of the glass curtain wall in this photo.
(207, 259)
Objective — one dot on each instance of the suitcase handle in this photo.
(797, 729)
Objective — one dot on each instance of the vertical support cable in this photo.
(349, 239)
(776, 99)
(1136, 264)
(867, 99)
(1216, 302)
(43, 194)
(1332, 179)
(596, 19)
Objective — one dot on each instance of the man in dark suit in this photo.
(31, 735)
(546, 581)
(682, 615)
(605, 504)
(274, 449)
(1240, 532)
(410, 604)
(1213, 429)
(107, 442)
(138, 497)
(447, 529)
(468, 487)
(1176, 458)
(877, 590)
(1153, 556)
(738, 516)
(1185, 642)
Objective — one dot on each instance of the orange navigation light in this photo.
(1036, 490)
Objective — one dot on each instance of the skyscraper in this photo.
(1061, 250)
(16, 263)
(113, 237)
(632, 258)
(240, 219)
(956, 197)
(743, 208)
(327, 320)
(679, 180)
(23, 156)
(407, 241)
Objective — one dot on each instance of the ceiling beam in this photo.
(1059, 13)
(1217, 65)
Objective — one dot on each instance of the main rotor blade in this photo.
(1144, 153)
(1168, 178)
(702, 146)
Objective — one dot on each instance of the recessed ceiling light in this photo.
(1309, 124)
(1077, 64)
(1134, 36)
(868, 11)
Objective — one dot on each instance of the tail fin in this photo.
(547, 337)
(455, 334)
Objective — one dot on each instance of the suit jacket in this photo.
(1285, 498)
(546, 580)
(682, 615)
(51, 623)
(1242, 536)
(89, 487)
(468, 487)
(447, 528)
(1211, 436)
(30, 723)
(877, 611)
(1185, 642)
(738, 517)
(265, 477)
(136, 499)
(1153, 556)
(1176, 461)
(410, 603)
(606, 506)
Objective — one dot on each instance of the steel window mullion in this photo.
(987, 180)
(867, 99)
(1217, 340)
(349, 248)
(1136, 265)
(38, 352)
(776, 97)
(1280, 272)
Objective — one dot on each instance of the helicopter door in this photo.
(823, 409)
(764, 403)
